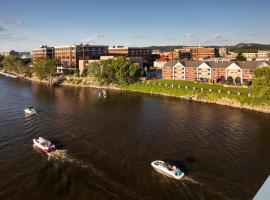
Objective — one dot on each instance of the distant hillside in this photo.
(251, 47)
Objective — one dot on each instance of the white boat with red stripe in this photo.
(44, 145)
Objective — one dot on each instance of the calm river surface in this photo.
(107, 145)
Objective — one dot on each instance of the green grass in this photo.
(154, 87)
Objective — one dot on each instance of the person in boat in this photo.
(31, 108)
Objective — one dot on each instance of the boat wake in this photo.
(63, 156)
(191, 180)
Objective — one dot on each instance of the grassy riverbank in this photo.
(231, 96)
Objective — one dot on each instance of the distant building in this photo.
(9, 53)
(70, 55)
(83, 63)
(197, 53)
(159, 63)
(145, 53)
(42, 52)
(259, 56)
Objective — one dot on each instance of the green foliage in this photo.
(239, 57)
(1, 60)
(45, 68)
(261, 82)
(261, 77)
(14, 64)
(119, 70)
(246, 50)
(159, 87)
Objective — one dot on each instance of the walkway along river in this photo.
(107, 145)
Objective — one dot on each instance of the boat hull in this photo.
(166, 172)
(44, 149)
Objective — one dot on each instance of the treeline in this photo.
(118, 71)
(14, 64)
(43, 68)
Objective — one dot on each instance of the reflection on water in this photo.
(106, 146)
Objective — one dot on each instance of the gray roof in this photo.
(249, 64)
(191, 63)
(219, 64)
(171, 63)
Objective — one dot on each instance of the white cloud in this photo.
(94, 38)
(252, 34)
(13, 22)
(217, 37)
(190, 35)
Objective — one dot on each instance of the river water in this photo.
(107, 145)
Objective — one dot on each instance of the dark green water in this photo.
(107, 145)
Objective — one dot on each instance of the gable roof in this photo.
(191, 63)
(171, 63)
(249, 64)
(220, 64)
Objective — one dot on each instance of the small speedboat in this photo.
(168, 170)
(30, 110)
(44, 145)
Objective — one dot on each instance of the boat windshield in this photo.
(178, 172)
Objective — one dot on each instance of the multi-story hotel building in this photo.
(70, 55)
(42, 52)
(145, 53)
(197, 53)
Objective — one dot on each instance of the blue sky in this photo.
(30, 23)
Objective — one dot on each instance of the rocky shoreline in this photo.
(222, 101)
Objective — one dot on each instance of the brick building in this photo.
(197, 53)
(70, 55)
(213, 72)
(42, 52)
(142, 52)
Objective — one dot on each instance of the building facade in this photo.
(259, 56)
(234, 72)
(42, 52)
(144, 53)
(70, 55)
(197, 53)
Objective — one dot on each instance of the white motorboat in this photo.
(168, 170)
(30, 111)
(44, 145)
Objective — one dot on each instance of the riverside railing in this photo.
(200, 89)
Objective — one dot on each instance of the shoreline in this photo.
(195, 98)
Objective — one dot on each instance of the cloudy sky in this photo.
(30, 23)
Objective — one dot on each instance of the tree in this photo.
(240, 57)
(13, 64)
(45, 68)
(261, 82)
(119, 70)
(1, 60)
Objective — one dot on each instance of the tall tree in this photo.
(45, 68)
